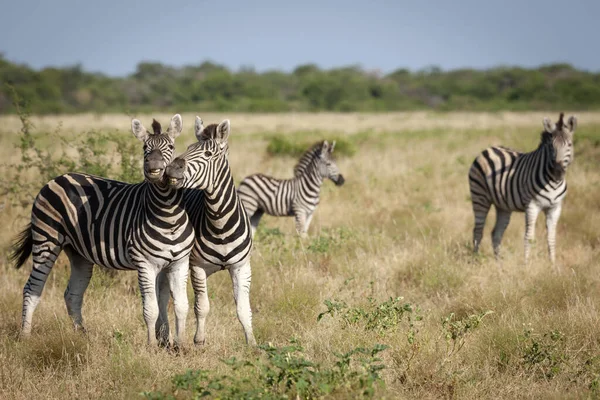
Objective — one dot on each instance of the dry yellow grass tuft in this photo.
(400, 226)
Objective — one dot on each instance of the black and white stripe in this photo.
(117, 225)
(524, 182)
(223, 234)
(299, 196)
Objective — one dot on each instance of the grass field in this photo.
(466, 326)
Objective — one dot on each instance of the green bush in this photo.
(284, 373)
(378, 317)
(212, 87)
(112, 155)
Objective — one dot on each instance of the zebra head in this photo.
(200, 165)
(559, 137)
(158, 146)
(327, 166)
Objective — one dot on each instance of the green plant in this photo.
(329, 239)
(544, 354)
(379, 317)
(40, 155)
(283, 373)
(456, 331)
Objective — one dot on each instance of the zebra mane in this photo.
(209, 132)
(309, 155)
(156, 127)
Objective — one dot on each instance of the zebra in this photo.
(223, 234)
(116, 225)
(524, 182)
(299, 196)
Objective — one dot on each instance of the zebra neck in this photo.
(311, 177)
(544, 167)
(222, 200)
(162, 201)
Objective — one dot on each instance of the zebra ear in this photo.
(198, 128)
(138, 130)
(549, 125)
(325, 148)
(332, 147)
(572, 123)
(176, 126)
(223, 130)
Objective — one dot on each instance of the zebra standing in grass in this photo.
(114, 224)
(299, 196)
(223, 234)
(525, 182)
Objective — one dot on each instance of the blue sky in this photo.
(112, 36)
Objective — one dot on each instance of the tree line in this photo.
(212, 87)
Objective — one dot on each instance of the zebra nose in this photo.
(154, 160)
(340, 180)
(176, 168)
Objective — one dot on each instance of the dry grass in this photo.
(401, 226)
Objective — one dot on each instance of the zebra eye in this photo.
(171, 147)
(208, 153)
(145, 147)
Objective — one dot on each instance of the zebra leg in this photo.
(162, 323)
(481, 213)
(307, 222)
(241, 278)
(81, 274)
(531, 214)
(552, 216)
(502, 220)
(147, 281)
(255, 219)
(201, 303)
(300, 218)
(44, 257)
(177, 277)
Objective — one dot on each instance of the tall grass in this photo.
(388, 262)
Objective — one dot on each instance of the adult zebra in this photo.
(525, 182)
(299, 196)
(114, 224)
(223, 235)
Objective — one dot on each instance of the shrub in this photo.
(283, 373)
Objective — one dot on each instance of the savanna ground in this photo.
(465, 326)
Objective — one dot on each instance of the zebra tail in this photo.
(22, 247)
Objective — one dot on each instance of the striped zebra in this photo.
(524, 182)
(116, 225)
(223, 235)
(299, 196)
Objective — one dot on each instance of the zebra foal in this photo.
(297, 197)
(524, 182)
(114, 224)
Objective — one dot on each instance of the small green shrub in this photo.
(544, 355)
(378, 317)
(329, 239)
(283, 373)
(456, 331)
(96, 154)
